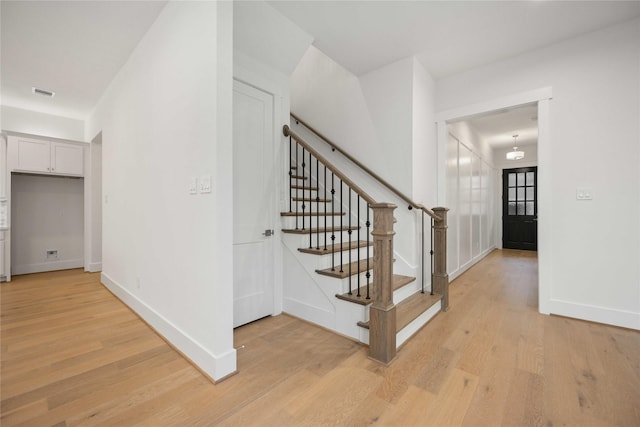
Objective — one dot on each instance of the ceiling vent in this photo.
(43, 92)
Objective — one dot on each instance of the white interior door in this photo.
(253, 207)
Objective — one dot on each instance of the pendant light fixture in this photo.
(515, 154)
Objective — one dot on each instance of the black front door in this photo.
(520, 208)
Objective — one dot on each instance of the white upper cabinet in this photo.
(67, 159)
(46, 157)
(33, 155)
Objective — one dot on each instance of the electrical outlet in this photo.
(52, 254)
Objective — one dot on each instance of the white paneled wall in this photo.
(470, 194)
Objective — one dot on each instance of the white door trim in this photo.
(543, 97)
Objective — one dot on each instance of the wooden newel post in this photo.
(382, 314)
(440, 276)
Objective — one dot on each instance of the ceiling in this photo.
(497, 128)
(76, 48)
(446, 36)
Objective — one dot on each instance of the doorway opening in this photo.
(536, 155)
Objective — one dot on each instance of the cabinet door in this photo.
(67, 159)
(33, 155)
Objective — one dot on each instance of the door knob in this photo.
(268, 233)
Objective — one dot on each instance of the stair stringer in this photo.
(311, 296)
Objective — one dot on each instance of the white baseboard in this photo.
(608, 316)
(306, 311)
(94, 267)
(47, 266)
(216, 366)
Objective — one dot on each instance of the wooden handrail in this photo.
(288, 132)
(397, 192)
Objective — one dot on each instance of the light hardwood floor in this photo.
(72, 354)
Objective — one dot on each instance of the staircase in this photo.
(339, 262)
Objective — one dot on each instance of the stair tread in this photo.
(302, 199)
(299, 177)
(302, 187)
(410, 308)
(336, 247)
(398, 282)
(356, 267)
(311, 213)
(318, 230)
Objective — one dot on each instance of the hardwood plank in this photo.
(336, 248)
(333, 397)
(308, 199)
(527, 368)
(453, 400)
(319, 230)
(410, 308)
(313, 213)
(398, 282)
(342, 271)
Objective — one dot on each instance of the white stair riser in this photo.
(302, 240)
(409, 330)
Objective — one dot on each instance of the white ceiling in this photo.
(447, 36)
(74, 48)
(497, 128)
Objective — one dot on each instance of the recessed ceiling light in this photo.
(43, 92)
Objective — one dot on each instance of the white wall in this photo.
(4, 255)
(25, 121)
(388, 94)
(268, 37)
(331, 99)
(47, 213)
(470, 198)
(593, 273)
(93, 205)
(165, 118)
(385, 119)
(424, 155)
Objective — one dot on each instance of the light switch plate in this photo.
(205, 184)
(583, 193)
(193, 185)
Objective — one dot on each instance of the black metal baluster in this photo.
(297, 189)
(318, 205)
(310, 203)
(358, 243)
(290, 177)
(333, 224)
(304, 198)
(325, 207)
(349, 233)
(431, 252)
(422, 252)
(341, 230)
(368, 275)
